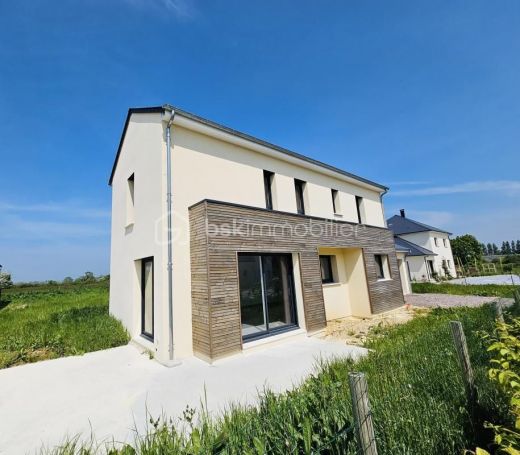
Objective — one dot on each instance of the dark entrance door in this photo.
(267, 303)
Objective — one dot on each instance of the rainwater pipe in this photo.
(168, 116)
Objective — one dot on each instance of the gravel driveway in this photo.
(492, 279)
(448, 300)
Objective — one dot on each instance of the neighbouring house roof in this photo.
(410, 248)
(247, 137)
(402, 225)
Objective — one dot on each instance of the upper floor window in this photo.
(268, 188)
(436, 241)
(130, 200)
(299, 186)
(335, 202)
(359, 208)
(382, 267)
(444, 241)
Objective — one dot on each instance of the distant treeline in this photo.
(507, 247)
(87, 277)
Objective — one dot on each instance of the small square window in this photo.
(382, 267)
(327, 275)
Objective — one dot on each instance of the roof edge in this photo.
(245, 136)
(132, 110)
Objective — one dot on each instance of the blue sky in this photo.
(421, 96)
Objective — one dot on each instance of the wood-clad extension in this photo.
(219, 230)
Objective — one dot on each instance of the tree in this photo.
(483, 249)
(518, 247)
(67, 280)
(5, 282)
(507, 248)
(495, 248)
(467, 249)
(86, 278)
(489, 249)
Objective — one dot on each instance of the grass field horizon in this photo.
(47, 321)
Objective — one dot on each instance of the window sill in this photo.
(339, 215)
(331, 285)
(385, 279)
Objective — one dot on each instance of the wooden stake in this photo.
(459, 339)
(362, 416)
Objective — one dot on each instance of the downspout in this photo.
(382, 205)
(169, 115)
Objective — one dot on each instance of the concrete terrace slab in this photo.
(110, 392)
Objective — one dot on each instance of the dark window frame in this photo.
(144, 334)
(328, 259)
(268, 189)
(359, 201)
(299, 188)
(380, 266)
(335, 194)
(292, 293)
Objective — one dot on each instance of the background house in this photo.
(428, 249)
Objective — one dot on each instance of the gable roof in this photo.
(410, 248)
(401, 225)
(247, 137)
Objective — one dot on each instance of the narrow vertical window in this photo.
(382, 266)
(268, 188)
(299, 186)
(130, 200)
(436, 241)
(445, 243)
(147, 298)
(359, 208)
(335, 202)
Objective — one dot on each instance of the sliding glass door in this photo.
(267, 302)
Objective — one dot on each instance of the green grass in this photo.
(416, 391)
(49, 321)
(485, 290)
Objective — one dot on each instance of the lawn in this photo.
(416, 391)
(485, 290)
(49, 321)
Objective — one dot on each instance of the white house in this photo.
(264, 243)
(428, 249)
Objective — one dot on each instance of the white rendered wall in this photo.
(142, 155)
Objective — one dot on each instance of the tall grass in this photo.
(416, 390)
(485, 290)
(49, 321)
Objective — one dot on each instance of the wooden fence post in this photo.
(362, 416)
(461, 347)
(499, 312)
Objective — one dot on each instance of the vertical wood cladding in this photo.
(219, 230)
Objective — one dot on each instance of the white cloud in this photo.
(409, 182)
(510, 187)
(180, 8)
(69, 208)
